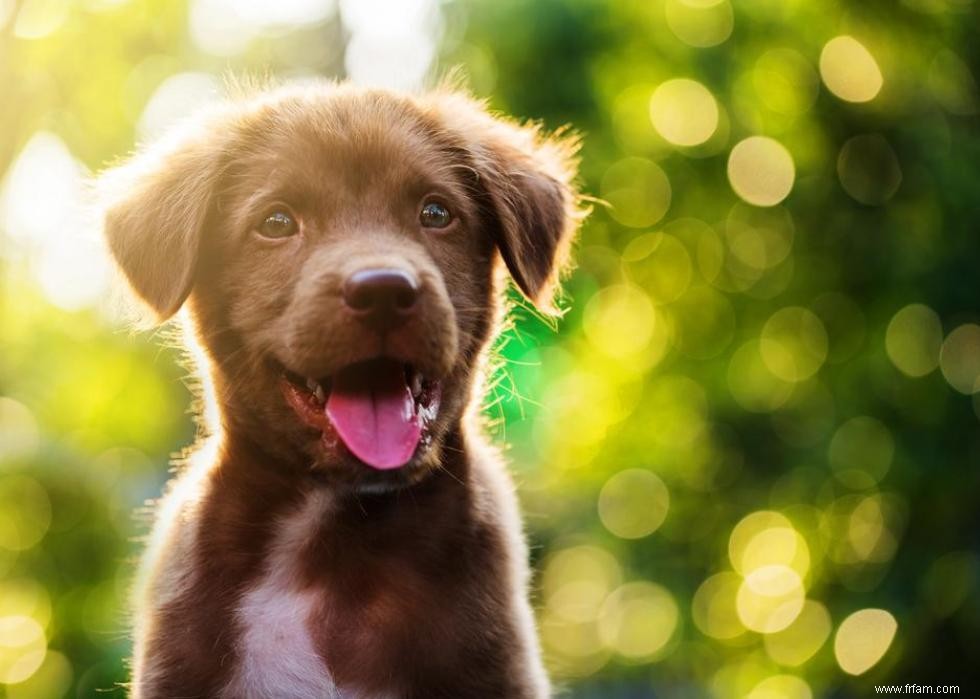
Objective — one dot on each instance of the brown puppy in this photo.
(345, 531)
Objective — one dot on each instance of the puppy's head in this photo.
(337, 249)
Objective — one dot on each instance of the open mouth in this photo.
(380, 409)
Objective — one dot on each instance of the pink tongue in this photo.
(372, 409)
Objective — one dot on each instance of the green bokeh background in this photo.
(717, 359)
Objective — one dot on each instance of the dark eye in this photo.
(435, 215)
(278, 224)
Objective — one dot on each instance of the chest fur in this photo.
(276, 655)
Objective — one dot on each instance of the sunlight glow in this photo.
(391, 44)
(227, 27)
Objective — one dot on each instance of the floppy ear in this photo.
(527, 178)
(155, 206)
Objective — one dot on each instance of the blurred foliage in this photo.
(750, 454)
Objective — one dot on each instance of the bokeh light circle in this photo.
(781, 687)
(793, 344)
(633, 503)
(959, 358)
(25, 512)
(752, 384)
(849, 70)
(800, 641)
(914, 339)
(770, 598)
(638, 620)
(660, 264)
(22, 648)
(684, 112)
(761, 170)
(700, 24)
(786, 81)
(713, 607)
(638, 192)
(863, 638)
(619, 320)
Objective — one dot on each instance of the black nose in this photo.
(381, 296)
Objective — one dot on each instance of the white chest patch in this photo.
(277, 658)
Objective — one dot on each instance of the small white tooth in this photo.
(312, 384)
(416, 384)
(318, 392)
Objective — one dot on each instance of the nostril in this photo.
(380, 291)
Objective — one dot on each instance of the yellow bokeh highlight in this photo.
(19, 435)
(700, 24)
(684, 112)
(770, 598)
(781, 687)
(793, 344)
(676, 411)
(585, 398)
(785, 81)
(861, 452)
(713, 607)
(622, 323)
(25, 597)
(849, 70)
(914, 339)
(759, 239)
(638, 192)
(660, 264)
(798, 642)
(959, 358)
(25, 512)
(863, 638)
(752, 384)
(866, 527)
(22, 648)
(593, 572)
(52, 679)
(638, 620)
(739, 676)
(748, 528)
(775, 546)
(761, 170)
(633, 503)
(574, 648)
(576, 583)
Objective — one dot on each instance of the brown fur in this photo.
(419, 574)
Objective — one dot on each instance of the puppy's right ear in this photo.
(155, 206)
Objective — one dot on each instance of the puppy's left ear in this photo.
(154, 208)
(526, 178)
